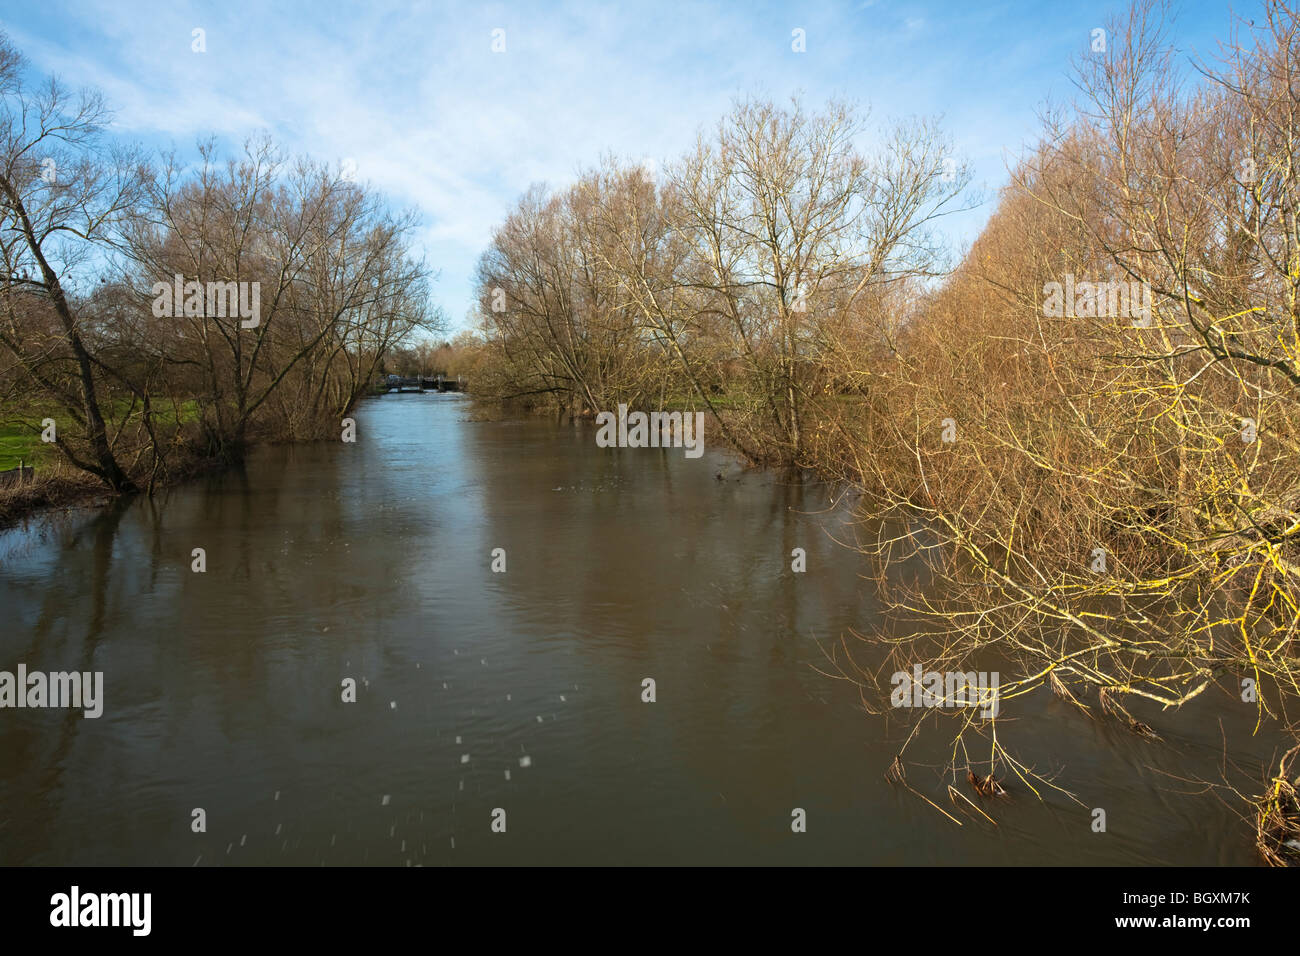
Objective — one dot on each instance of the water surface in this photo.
(519, 690)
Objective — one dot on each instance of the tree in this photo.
(63, 194)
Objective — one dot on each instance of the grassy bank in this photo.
(21, 427)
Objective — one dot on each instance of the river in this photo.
(521, 691)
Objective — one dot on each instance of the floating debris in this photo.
(525, 761)
(985, 786)
(384, 802)
(464, 758)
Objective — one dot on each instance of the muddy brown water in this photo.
(518, 691)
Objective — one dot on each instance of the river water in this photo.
(520, 691)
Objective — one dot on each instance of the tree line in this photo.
(94, 232)
(749, 278)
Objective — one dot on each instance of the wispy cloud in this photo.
(415, 95)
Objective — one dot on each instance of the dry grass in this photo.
(54, 488)
(1277, 816)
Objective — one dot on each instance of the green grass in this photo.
(729, 401)
(18, 442)
(722, 401)
(20, 433)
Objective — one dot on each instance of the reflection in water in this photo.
(519, 691)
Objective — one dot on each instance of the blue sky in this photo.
(413, 94)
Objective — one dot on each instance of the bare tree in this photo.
(63, 196)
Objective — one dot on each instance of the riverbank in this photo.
(49, 492)
(52, 483)
(59, 486)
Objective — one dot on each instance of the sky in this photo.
(414, 98)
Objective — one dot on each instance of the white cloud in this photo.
(436, 120)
